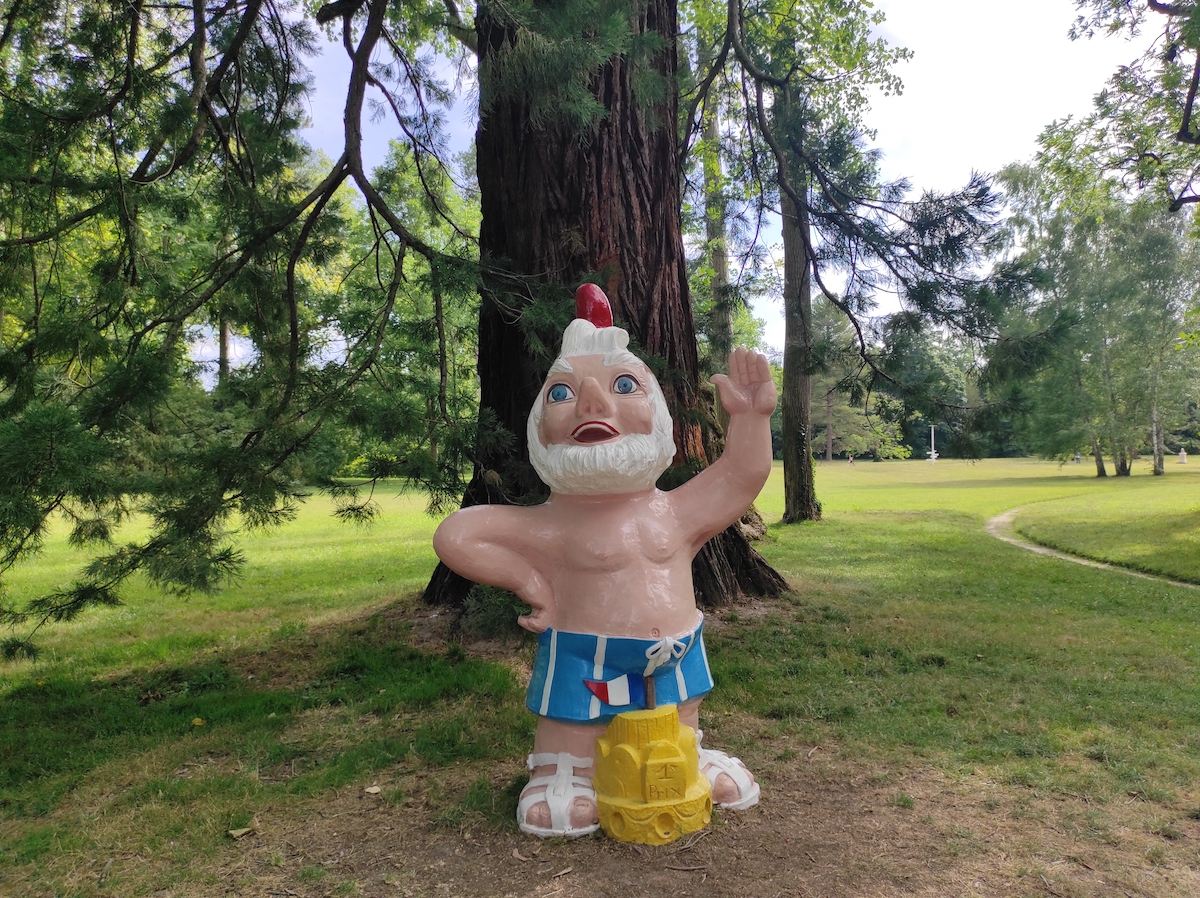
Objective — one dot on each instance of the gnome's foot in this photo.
(558, 801)
(733, 786)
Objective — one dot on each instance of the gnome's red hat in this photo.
(592, 305)
(592, 331)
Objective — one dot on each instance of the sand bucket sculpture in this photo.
(605, 566)
(648, 784)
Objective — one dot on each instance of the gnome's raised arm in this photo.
(721, 493)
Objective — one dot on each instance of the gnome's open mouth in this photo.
(594, 432)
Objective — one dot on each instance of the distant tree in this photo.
(1122, 274)
(845, 419)
(932, 379)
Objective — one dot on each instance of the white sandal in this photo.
(561, 789)
(713, 763)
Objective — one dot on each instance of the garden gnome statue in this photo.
(605, 564)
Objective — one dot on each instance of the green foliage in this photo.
(156, 202)
(797, 81)
(122, 222)
(550, 54)
(415, 417)
(1143, 127)
(846, 420)
(1119, 283)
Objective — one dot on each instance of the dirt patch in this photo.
(824, 828)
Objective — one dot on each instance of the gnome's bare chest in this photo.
(611, 543)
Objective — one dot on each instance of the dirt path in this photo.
(1001, 527)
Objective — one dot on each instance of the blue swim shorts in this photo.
(565, 662)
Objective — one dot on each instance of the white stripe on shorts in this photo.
(549, 673)
(598, 674)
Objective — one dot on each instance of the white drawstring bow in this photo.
(662, 652)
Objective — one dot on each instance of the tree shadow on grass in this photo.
(383, 700)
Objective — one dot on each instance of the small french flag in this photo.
(624, 690)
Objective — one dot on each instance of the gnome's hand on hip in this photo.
(537, 594)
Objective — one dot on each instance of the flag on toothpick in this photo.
(624, 690)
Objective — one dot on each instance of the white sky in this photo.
(984, 80)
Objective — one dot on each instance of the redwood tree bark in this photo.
(561, 206)
(715, 229)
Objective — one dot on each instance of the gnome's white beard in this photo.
(630, 464)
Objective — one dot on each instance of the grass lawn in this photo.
(915, 633)
(1135, 522)
(913, 639)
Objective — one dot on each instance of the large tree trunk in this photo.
(560, 206)
(799, 485)
(721, 331)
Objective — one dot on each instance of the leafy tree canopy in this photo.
(153, 189)
(1144, 126)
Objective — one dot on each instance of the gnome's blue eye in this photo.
(625, 384)
(559, 393)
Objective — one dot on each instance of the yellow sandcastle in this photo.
(648, 783)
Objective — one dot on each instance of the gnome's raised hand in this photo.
(749, 387)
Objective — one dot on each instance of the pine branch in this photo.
(1170, 9)
(10, 22)
(343, 9)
